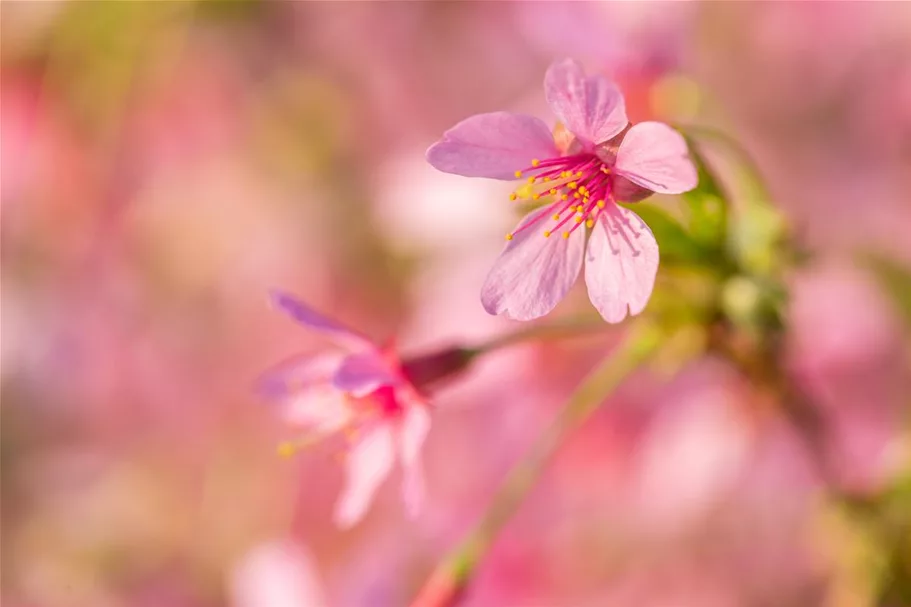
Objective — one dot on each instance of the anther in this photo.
(590, 223)
(512, 196)
(565, 234)
(556, 216)
(572, 185)
(535, 162)
(518, 174)
(509, 237)
(601, 204)
(553, 191)
(578, 219)
(531, 180)
(286, 449)
(564, 197)
(546, 233)
(579, 174)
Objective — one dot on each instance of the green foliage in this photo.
(706, 205)
(895, 281)
(676, 244)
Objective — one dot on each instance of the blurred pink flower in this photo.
(583, 168)
(364, 392)
(279, 573)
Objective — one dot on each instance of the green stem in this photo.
(567, 327)
(455, 572)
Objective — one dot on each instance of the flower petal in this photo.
(412, 433)
(366, 467)
(297, 372)
(591, 107)
(312, 319)
(533, 273)
(361, 374)
(319, 408)
(621, 264)
(655, 156)
(494, 145)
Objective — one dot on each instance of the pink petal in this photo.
(361, 374)
(621, 264)
(308, 317)
(494, 145)
(366, 467)
(533, 273)
(319, 408)
(591, 107)
(297, 372)
(655, 156)
(278, 573)
(412, 433)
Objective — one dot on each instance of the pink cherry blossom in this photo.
(362, 392)
(592, 160)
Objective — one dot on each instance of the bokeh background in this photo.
(165, 164)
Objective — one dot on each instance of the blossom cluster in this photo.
(578, 174)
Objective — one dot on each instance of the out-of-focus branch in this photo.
(428, 370)
(452, 576)
(760, 362)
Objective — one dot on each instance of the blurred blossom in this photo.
(619, 38)
(847, 347)
(278, 573)
(164, 164)
(365, 393)
(590, 164)
(692, 452)
(437, 213)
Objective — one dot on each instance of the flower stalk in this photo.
(449, 581)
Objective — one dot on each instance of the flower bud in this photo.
(427, 370)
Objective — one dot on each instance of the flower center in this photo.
(576, 188)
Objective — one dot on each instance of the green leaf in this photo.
(676, 246)
(707, 205)
(895, 280)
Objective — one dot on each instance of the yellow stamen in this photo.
(564, 197)
(513, 196)
(546, 233)
(578, 219)
(547, 179)
(553, 191)
(579, 174)
(535, 196)
(572, 185)
(509, 237)
(535, 162)
(590, 223)
(290, 447)
(286, 449)
(577, 195)
(556, 216)
(531, 180)
(518, 174)
(565, 234)
(601, 204)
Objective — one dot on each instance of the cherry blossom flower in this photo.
(592, 160)
(362, 392)
(277, 573)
